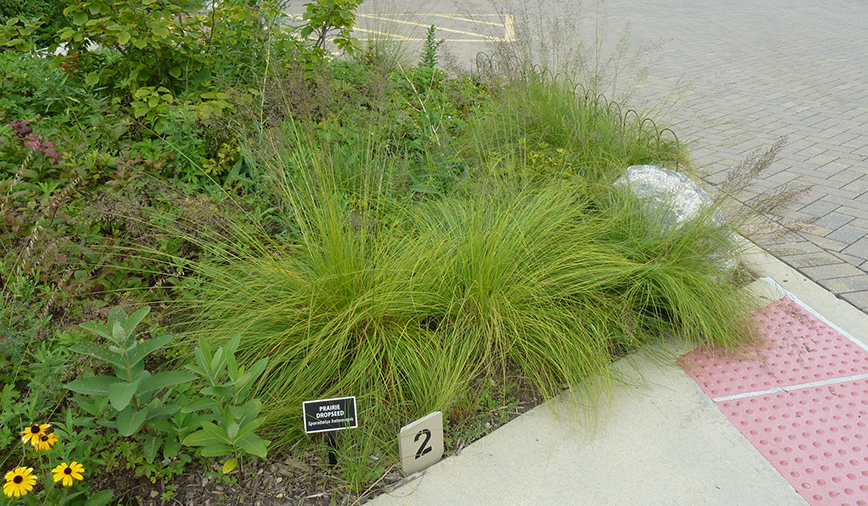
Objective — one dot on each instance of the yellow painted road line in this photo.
(414, 39)
(471, 20)
(421, 25)
(388, 35)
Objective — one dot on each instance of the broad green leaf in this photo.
(217, 450)
(140, 109)
(119, 334)
(165, 379)
(161, 126)
(234, 413)
(129, 420)
(175, 71)
(232, 344)
(217, 433)
(232, 430)
(100, 498)
(124, 37)
(144, 349)
(127, 16)
(196, 369)
(100, 352)
(199, 438)
(134, 319)
(121, 393)
(79, 18)
(219, 391)
(203, 358)
(248, 428)
(200, 404)
(173, 446)
(218, 362)
(232, 364)
(161, 425)
(246, 381)
(230, 465)
(97, 328)
(94, 385)
(12, 21)
(158, 411)
(205, 349)
(152, 444)
(254, 445)
(161, 32)
(251, 408)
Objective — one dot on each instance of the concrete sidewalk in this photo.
(662, 441)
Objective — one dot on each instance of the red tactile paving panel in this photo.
(817, 438)
(815, 435)
(799, 349)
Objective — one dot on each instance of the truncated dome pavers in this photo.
(801, 400)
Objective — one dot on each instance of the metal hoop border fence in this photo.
(485, 65)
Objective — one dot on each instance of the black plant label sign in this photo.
(330, 414)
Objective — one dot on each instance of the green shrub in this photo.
(48, 12)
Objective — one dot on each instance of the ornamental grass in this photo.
(409, 303)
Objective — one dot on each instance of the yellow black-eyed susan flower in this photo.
(68, 473)
(46, 441)
(31, 434)
(19, 481)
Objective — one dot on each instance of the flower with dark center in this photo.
(31, 434)
(19, 482)
(46, 441)
(68, 473)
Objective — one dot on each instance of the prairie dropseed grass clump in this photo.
(529, 265)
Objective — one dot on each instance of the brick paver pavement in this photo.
(759, 70)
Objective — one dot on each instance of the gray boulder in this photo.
(674, 198)
(664, 190)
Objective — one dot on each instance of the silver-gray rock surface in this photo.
(664, 190)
